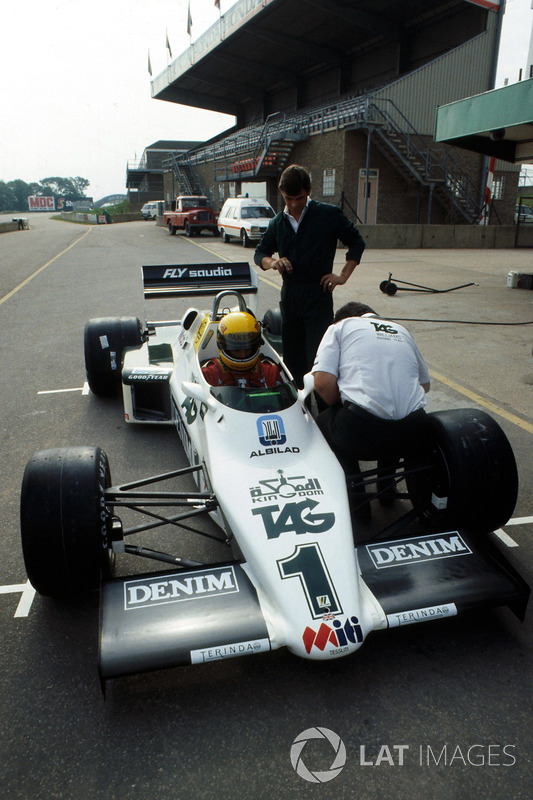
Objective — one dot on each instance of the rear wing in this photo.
(182, 280)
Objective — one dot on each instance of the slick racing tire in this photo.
(105, 340)
(272, 325)
(272, 321)
(470, 464)
(64, 521)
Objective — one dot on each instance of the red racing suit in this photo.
(264, 374)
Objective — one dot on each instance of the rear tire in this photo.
(171, 229)
(272, 326)
(105, 339)
(471, 463)
(272, 321)
(225, 237)
(65, 523)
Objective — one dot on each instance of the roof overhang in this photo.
(263, 49)
(497, 123)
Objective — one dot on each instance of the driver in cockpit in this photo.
(240, 362)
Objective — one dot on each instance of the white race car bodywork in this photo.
(281, 493)
(280, 496)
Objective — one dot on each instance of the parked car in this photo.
(151, 210)
(191, 214)
(523, 214)
(244, 218)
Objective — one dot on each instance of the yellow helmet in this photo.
(239, 340)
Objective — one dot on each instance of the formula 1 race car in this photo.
(266, 476)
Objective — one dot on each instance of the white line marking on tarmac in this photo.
(520, 521)
(28, 593)
(80, 389)
(25, 282)
(505, 538)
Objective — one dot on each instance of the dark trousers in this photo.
(355, 434)
(306, 312)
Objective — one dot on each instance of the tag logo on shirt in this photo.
(381, 327)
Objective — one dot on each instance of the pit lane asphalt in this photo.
(224, 730)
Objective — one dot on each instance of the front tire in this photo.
(471, 464)
(105, 339)
(65, 523)
(245, 241)
(188, 229)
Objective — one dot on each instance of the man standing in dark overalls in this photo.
(304, 235)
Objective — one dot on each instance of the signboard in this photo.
(36, 203)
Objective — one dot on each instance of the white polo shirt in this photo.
(377, 365)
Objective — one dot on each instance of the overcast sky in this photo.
(75, 91)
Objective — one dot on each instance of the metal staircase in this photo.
(187, 179)
(413, 157)
(263, 150)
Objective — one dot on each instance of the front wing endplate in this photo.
(165, 619)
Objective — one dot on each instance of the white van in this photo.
(151, 210)
(245, 218)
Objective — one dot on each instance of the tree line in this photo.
(14, 194)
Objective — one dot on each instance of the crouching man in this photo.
(371, 374)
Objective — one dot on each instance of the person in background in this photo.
(374, 380)
(240, 363)
(304, 236)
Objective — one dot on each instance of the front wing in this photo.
(172, 618)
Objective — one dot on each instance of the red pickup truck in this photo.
(191, 214)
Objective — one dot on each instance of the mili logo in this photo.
(426, 548)
(143, 592)
(338, 635)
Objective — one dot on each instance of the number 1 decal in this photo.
(307, 564)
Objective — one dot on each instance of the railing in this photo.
(428, 165)
(183, 172)
(433, 166)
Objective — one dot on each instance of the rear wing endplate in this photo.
(181, 280)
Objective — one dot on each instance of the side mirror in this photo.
(198, 392)
(309, 385)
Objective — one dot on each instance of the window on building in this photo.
(498, 188)
(328, 182)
